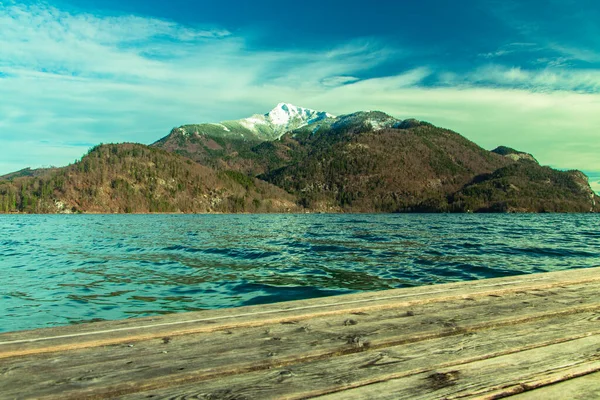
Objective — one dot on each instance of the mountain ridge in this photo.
(367, 161)
(262, 127)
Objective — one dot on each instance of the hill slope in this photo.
(370, 161)
(355, 168)
(228, 144)
(526, 186)
(135, 178)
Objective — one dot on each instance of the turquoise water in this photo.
(62, 269)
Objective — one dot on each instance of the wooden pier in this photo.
(524, 337)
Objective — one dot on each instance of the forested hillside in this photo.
(360, 162)
(127, 178)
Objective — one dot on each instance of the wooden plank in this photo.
(310, 378)
(310, 306)
(491, 378)
(120, 332)
(319, 342)
(223, 353)
(579, 388)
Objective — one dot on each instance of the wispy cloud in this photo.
(511, 48)
(72, 79)
(130, 78)
(547, 79)
(334, 81)
(567, 31)
(47, 40)
(569, 52)
(558, 127)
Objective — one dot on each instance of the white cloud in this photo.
(559, 128)
(334, 81)
(511, 48)
(45, 39)
(576, 53)
(549, 79)
(128, 78)
(92, 79)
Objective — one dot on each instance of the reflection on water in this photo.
(67, 269)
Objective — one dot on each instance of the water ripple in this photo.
(60, 270)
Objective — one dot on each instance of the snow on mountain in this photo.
(226, 129)
(283, 118)
(252, 122)
(287, 114)
(377, 120)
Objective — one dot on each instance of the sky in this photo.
(76, 73)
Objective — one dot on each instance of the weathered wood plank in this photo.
(119, 332)
(310, 347)
(227, 353)
(491, 378)
(585, 387)
(308, 379)
(310, 306)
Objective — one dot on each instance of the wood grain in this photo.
(363, 369)
(577, 388)
(351, 346)
(490, 378)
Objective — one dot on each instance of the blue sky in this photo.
(76, 73)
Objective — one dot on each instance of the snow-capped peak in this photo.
(283, 118)
(285, 114)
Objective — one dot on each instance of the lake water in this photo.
(62, 269)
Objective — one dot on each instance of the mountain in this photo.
(513, 154)
(270, 126)
(294, 159)
(214, 144)
(370, 162)
(365, 120)
(39, 172)
(525, 186)
(243, 145)
(133, 178)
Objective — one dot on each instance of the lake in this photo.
(64, 269)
